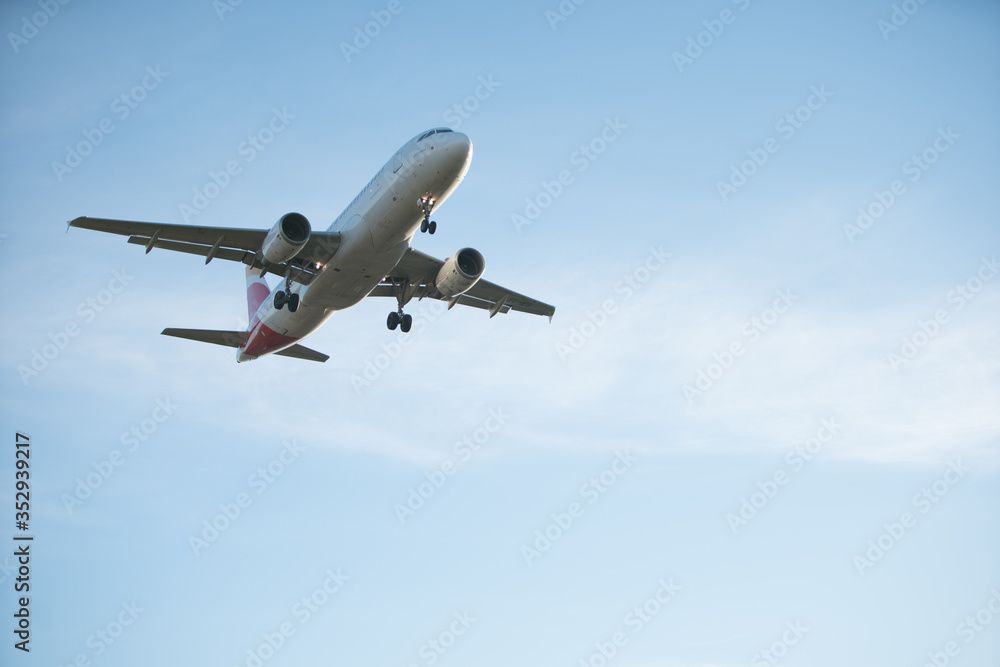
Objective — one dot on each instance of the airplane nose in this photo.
(457, 143)
(453, 154)
(462, 140)
(460, 147)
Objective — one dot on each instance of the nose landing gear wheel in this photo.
(293, 303)
(406, 323)
(393, 321)
(280, 300)
(426, 205)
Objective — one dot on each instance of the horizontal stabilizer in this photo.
(227, 338)
(301, 352)
(237, 338)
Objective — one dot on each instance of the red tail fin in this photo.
(257, 293)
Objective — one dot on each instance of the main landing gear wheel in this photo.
(427, 225)
(404, 322)
(281, 300)
(285, 296)
(403, 296)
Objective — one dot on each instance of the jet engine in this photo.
(286, 238)
(460, 272)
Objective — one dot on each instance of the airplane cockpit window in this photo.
(434, 131)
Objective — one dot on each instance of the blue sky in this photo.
(782, 438)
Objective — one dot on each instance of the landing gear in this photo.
(427, 225)
(398, 318)
(281, 299)
(404, 322)
(286, 297)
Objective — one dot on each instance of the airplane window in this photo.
(434, 131)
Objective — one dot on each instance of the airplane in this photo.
(365, 252)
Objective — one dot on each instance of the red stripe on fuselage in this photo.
(263, 341)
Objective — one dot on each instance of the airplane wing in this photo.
(233, 244)
(417, 272)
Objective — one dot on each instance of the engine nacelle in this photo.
(286, 238)
(460, 272)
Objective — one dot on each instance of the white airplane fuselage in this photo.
(376, 229)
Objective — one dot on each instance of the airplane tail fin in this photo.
(257, 292)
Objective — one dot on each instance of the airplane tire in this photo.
(293, 303)
(406, 323)
(393, 321)
(432, 227)
(279, 299)
(423, 226)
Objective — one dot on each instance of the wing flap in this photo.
(463, 300)
(299, 274)
(231, 254)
